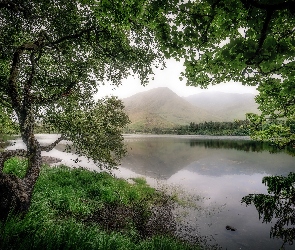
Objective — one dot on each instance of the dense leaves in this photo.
(247, 41)
(95, 131)
(53, 57)
(7, 126)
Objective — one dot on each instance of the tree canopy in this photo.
(247, 41)
(53, 56)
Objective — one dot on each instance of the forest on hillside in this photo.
(235, 128)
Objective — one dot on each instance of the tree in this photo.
(247, 41)
(53, 54)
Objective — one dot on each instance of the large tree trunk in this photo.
(15, 196)
(16, 193)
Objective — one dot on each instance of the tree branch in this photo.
(33, 71)
(52, 145)
(14, 71)
(263, 36)
(28, 84)
(10, 153)
(72, 36)
(264, 30)
(55, 97)
(10, 5)
(288, 5)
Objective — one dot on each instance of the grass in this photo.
(80, 209)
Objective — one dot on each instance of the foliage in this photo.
(94, 131)
(279, 132)
(53, 57)
(236, 128)
(16, 166)
(7, 126)
(64, 205)
(277, 204)
(246, 41)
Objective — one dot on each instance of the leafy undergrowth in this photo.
(80, 209)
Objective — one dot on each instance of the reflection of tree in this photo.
(278, 204)
(243, 145)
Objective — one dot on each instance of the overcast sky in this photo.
(169, 77)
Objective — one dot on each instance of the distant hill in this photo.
(162, 108)
(228, 106)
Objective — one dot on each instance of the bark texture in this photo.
(15, 196)
(15, 192)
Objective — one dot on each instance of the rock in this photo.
(230, 228)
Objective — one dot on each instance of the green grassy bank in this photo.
(80, 209)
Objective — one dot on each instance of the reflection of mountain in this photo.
(161, 157)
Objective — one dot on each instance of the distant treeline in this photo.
(236, 128)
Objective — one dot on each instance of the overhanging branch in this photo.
(263, 35)
(57, 96)
(72, 36)
(52, 145)
(15, 67)
(264, 30)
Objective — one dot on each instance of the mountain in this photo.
(162, 108)
(228, 106)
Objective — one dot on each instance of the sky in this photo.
(169, 77)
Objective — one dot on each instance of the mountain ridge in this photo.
(163, 108)
(229, 106)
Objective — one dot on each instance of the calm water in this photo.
(220, 169)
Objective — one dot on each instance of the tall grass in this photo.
(71, 210)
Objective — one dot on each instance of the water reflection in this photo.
(162, 157)
(277, 205)
(244, 145)
(223, 170)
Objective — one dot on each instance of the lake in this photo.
(217, 171)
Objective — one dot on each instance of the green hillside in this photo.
(162, 108)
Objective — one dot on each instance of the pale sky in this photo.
(169, 77)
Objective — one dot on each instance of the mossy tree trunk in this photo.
(16, 193)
